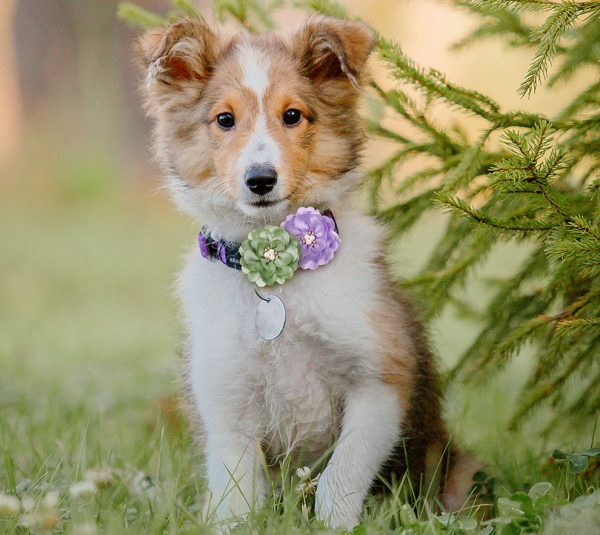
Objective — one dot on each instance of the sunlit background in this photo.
(89, 245)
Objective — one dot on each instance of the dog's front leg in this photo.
(235, 474)
(236, 477)
(370, 429)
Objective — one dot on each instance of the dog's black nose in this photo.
(261, 179)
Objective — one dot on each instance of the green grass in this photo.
(88, 360)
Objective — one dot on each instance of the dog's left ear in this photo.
(331, 48)
(185, 51)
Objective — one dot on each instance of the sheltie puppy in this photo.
(249, 129)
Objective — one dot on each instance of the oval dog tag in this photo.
(270, 317)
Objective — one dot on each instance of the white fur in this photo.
(320, 376)
(370, 425)
(261, 147)
(256, 69)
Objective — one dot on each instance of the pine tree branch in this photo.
(433, 82)
(471, 164)
(498, 22)
(576, 325)
(581, 223)
(530, 4)
(546, 390)
(137, 17)
(459, 206)
(548, 35)
(186, 8)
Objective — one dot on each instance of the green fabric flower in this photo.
(269, 255)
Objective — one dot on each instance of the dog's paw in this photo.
(336, 506)
(227, 513)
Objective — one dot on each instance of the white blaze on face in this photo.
(261, 147)
(256, 69)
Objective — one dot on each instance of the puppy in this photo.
(248, 129)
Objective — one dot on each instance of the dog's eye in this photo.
(292, 117)
(225, 120)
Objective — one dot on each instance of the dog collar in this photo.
(227, 252)
(271, 254)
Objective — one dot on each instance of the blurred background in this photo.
(89, 245)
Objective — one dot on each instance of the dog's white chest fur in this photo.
(287, 390)
(300, 408)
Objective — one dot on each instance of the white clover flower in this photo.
(303, 473)
(51, 500)
(28, 503)
(101, 477)
(82, 489)
(308, 486)
(85, 528)
(47, 521)
(9, 505)
(142, 483)
(29, 521)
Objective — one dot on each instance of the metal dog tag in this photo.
(270, 316)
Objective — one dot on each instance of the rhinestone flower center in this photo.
(309, 238)
(270, 254)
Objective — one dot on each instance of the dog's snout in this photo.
(261, 179)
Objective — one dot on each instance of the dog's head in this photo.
(254, 125)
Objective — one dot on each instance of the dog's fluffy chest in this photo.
(299, 406)
(291, 387)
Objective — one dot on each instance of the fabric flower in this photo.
(269, 255)
(316, 235)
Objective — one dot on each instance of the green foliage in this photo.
(503, 19)
(548, 35)
(523, 512)
(138, 17)
(577, 462)
(254, 15)
(439, 524)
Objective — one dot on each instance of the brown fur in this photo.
(436, 467)
(328, 49)
(418, 388)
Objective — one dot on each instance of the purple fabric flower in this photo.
(203, 246)
(316, 235)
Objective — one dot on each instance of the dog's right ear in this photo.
(333, 48)
(185, 51)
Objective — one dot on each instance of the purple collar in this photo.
(228, 252)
